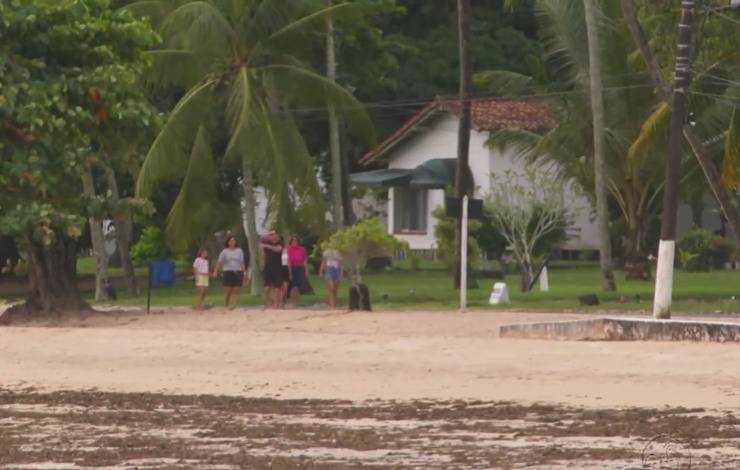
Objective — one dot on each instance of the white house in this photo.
(425, 147)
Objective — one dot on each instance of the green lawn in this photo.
(431, 289)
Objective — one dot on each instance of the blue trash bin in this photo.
(163, 273)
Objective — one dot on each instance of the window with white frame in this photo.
(409, 210)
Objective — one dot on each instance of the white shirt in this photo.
(200, 265)
(332, 258)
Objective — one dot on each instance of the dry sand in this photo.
(359, 356)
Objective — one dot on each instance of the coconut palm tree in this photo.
(634, 184)
(597, 113)
(243, 66)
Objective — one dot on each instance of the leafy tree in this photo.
(243, 64)
(711, 133)
(364, 240)
(444, 236)
(56, 59)
(531, 213)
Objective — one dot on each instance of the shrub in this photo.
(363, 241)
(700, 250)
(151, 246)
(444, 235)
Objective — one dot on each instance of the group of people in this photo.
(284, 271)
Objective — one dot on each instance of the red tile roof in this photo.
(488, 114)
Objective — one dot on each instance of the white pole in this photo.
(464, 256)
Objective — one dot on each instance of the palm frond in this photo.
(155, 10)
(199, 26)
(504, 82)
(313, 22)
(648, 136)
(303, 87)
(240, 112)
(731, 160)
(564, 34)
(194, 202)
(168, 156)
(173, 67)
(521, 141)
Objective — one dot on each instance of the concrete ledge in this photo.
(625, 329)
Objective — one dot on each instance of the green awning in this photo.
(382, 178)
(437, 173)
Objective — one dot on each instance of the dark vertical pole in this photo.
(682, 80)
(463, 135)
(149, 290)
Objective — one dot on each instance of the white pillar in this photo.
(464, 256)
(664, 279)
(544, 280)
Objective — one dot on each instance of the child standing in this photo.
(201, 274)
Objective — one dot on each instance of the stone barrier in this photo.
(625, 329)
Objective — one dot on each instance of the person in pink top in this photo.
(297, 267)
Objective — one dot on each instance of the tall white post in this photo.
(464, 256)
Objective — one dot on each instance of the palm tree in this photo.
(634, 184)
(243, 64)
(597, 113)
(713, 134)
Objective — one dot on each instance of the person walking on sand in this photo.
(297, 265)
(201, 275)
(235, 274)
(331, 272)
(272, 275)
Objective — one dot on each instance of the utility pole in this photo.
(334, 143)
(464, 18)
(667, 247)
(597, 112)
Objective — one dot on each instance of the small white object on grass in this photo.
(544, 280)
(499, 294)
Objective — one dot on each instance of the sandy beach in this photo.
(361, 356)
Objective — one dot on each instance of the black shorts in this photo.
(299, 277)
(272, 278)
(286, 274)
(232, 278)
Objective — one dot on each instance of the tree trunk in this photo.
(123, 237)
(52, 278)
(349, 213)
(667, 249)
(249, 220)
(723, 196)
(334, 150)
(463, 135)
(597, 111)
(98, 240)
(636, 265)
(724, 199)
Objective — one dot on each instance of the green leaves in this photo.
(168, 156)
(303, 87)
(71, 98)
(364, 240)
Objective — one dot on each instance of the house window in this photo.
(409, 210)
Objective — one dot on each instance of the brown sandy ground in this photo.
(75, 430)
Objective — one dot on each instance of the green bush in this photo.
(444, 235)
(700, 250)
(151, 246)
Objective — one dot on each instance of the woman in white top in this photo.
(231, 260)
(331, 271)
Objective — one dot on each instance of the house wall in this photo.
(437, 138)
